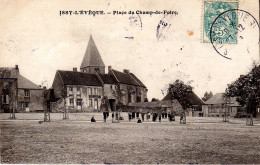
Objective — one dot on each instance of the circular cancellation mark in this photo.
(234, 32)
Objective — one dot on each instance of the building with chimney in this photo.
(19, 93)
(85, 90)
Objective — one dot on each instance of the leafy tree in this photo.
(179, 91)
(247, 89)
(207, 96)
(210, 94)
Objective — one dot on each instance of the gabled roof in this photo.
(191, 98)
(92, 56)
(79, 78)
(107, 78)
(218, 99)
(127, 78)
(24, 83)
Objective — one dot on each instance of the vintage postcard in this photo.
(129, 82)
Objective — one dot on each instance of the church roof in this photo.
(92, 56)
(79, 78)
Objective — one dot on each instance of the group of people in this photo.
(155, 116)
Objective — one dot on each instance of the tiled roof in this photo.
(79, 78)
(126, 78)
(24, 83)
(107, 78)
(139, 82)
(191, 99)
(92, 56)
(218, 99)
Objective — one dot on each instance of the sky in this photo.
(36, 37)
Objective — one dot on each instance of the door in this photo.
(95, 104)
(27, 109)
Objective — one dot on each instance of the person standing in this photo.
(113, 117)
(105, 116)
(142, 116)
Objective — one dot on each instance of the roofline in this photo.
(114, 75)
(134, 79)
(99, 78)
(84, 85)
(60, 77)
(31, 88)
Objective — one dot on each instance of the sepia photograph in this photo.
(129, 82)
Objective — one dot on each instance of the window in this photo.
(111, 87)
(90, 103)
(95, 91)
(20, 104)
(5, 99)
(71, 102)
(97, 70)
(71, 89)
(90, 91)
(26, 93)
(26, 105)
(78, 89)
(78, 102)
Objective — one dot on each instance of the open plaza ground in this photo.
(77, 140)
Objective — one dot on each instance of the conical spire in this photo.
(92, 57)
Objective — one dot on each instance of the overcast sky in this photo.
(36, 37)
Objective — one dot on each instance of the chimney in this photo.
(126, 71)
(74, 69)
(17, 69)
(109, 67)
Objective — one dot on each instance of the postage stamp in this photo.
(211, 10)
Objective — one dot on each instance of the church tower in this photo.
(92, 61)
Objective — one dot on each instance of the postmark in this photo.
(163, 27)
(211, 9)
(231, 33)
(136, 21)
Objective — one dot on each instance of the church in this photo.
(85, 90)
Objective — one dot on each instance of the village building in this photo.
(86, 90)
(192, 101)
(216, 106)
(19, 93)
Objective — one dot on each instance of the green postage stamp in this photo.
(225, 27)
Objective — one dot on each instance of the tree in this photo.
(179, 91)
(246, 89)
(207, 96)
